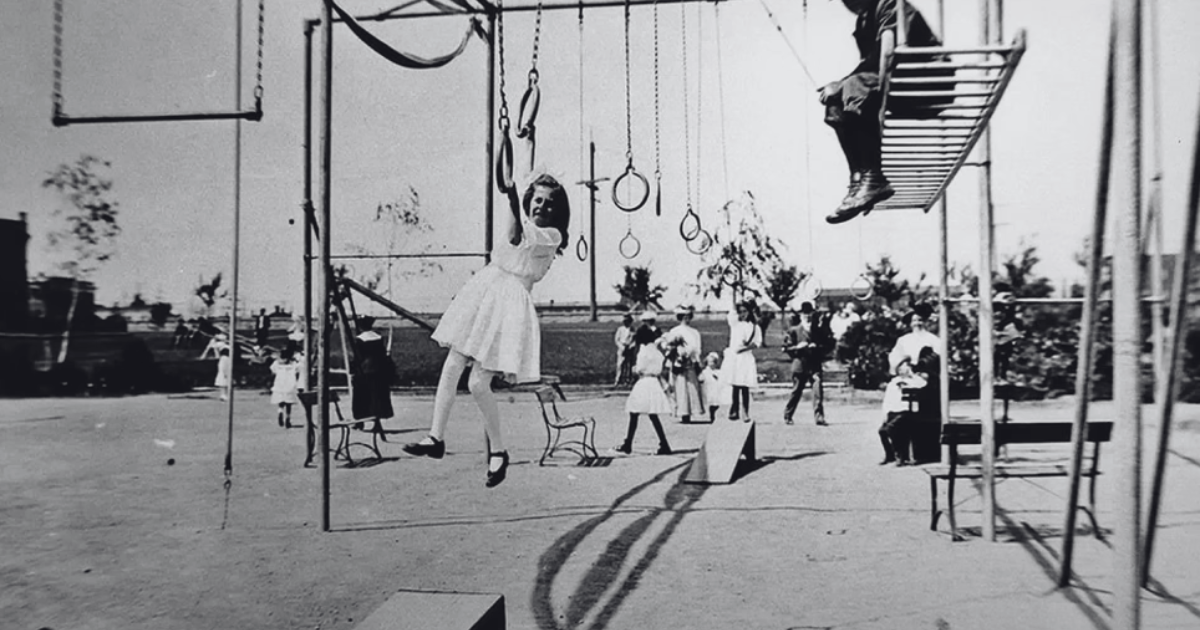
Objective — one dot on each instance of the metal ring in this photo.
(631, 172)
(531, 101)
(504, 165)
(581, 249)
(700, 243)
(690, 234)
(637, 245)
(858, 282)
(810, 292)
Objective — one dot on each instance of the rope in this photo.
(778, 27)
(657, 124)
(581, 246)
(721, 98)
(402, 59)
(57, 97)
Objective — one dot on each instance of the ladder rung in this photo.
(950, 65)
(934, 80)
(938, 93)
(946, 50)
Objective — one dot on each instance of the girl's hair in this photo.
(287, 354)
(712, 357)
(560, 217)
(646, 335)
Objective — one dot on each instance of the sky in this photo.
(753, 125)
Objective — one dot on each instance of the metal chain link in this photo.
(687, 124)
(258, 85)
(503, 121)
(58, 53)
(657, 124)
(537, 39)
(628, 98)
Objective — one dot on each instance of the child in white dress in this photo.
(285, 389)
(648, 395)
(712, 391)
(739, 370)
(224, 380)
(491, 323)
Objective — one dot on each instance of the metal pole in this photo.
(1127, 334)
(944, 311)
(1154, 238)
(592, 223)
(1087, 322)
(987, 255)
(326, 269)
(308, 217)
(1168, 382)
(237, 220)
(489, 200)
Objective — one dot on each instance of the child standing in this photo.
(739, 370)
(492, 324)
(648, 395)
(712, 391)
(224, 371)
(285, 389)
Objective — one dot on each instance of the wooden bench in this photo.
(955, 434)
(309, 400)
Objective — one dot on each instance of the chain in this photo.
(657, 143)
(628, 103)
(537, 39)
(687, 124)
(504, 124)
(58, 65)
(258, 86)
(699, 102)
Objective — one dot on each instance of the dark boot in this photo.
(873, 189)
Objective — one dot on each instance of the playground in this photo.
(816, 535)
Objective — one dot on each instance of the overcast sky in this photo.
(759, 129)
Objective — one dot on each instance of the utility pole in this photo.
(592, 184)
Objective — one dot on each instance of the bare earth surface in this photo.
(98, 532)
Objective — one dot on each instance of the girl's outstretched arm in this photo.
(514, 229)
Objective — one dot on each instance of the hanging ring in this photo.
(629, 246)
(690, 232)
(581, 249)
(700, 243)
(645, 193)
(861, 288)
(657, 193)
(530, 102)
(504, 163)
(811, 288)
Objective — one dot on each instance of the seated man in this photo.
(914, 384)
(852, 104)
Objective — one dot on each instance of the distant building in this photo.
(50, 302)
(14, 274)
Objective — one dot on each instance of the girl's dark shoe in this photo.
(429, 447)
(663, 449)
(494, 477)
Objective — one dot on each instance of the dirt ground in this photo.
(100, 531)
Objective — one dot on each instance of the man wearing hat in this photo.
(803, 343)
(682, 348)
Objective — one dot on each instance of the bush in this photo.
(864, 349)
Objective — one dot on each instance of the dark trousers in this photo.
(896, 434)
(741, 400)
(854, 115)
(799, 380)
(633, 423)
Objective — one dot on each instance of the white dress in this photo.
(647, 395)
(492, 318)
(287, 380)
(740, 368)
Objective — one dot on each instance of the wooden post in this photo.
(308, 218)
(237, 224)
(592, 223)
(987, 361)
(1168, 381)
(489, 199)
(326, 285)
(1127, 333)
(1087, 322)
(944, 312)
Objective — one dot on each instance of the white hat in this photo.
(648, 316)
(685, 309)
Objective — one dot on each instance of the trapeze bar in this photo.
(433, 255)
(63, 120)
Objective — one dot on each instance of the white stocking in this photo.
(480, 384)
(447, 388)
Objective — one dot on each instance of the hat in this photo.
(685, 309)
(807, 306)
(648, 316)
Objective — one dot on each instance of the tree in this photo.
(400, 219)
(885, 285)
(636, 291)
(88, 226)
(743, 256)
(782, 283)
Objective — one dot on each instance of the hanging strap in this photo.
(399, 58)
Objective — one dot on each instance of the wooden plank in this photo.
(723, 447)
(426, 610)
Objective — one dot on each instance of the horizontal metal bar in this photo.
(946, 50)
(512, 8)
(951, 65)
(63, 120)
(937, 93)
(389, 256)
(933, 79)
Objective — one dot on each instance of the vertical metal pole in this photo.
(237, 221)
(1087, 321)
(1168, 382)
(944, 310)
(987, 360)
(489, 200)
(309, 219)
(592, 222)
(326, 271)
(1127, 334)
(1154, 235)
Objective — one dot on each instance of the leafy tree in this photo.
(88, 227)
(782, 283)
(886, 286)
(211, 291)
(636, 291)
(743, 256)
(399, 221)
